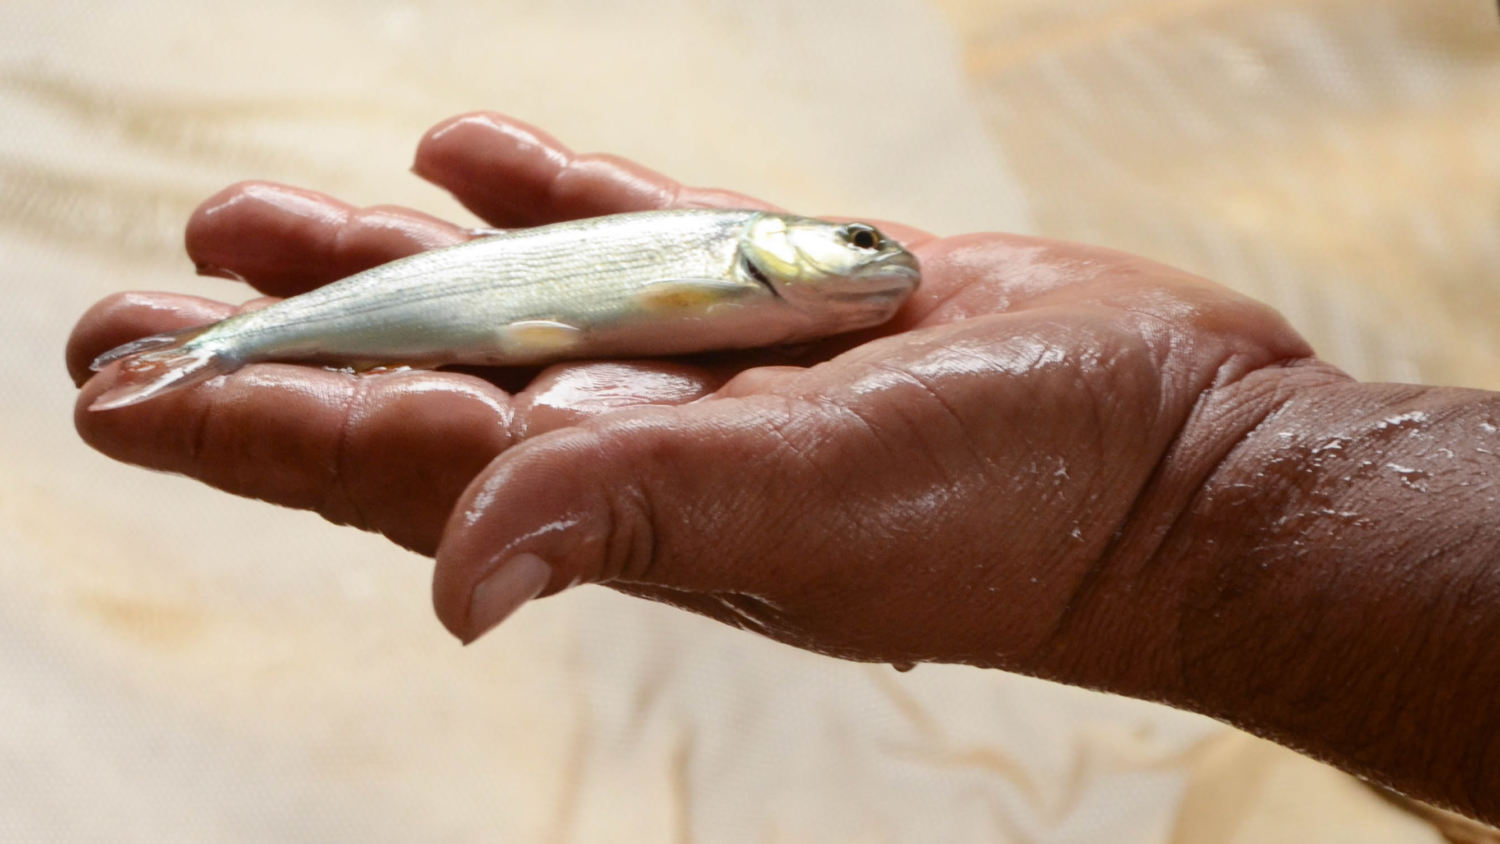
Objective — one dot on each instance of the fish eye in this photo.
(861, 236)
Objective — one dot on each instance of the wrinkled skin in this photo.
(937, 489)
(1057, 459)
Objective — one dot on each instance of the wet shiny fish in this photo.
(629, 285)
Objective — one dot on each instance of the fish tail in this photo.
(160, 364)
(147, 344)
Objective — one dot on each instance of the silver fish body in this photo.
(628, 285)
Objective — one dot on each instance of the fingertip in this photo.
(284, 240)
(496, 597)
(214, 271)
(150, 434)
(488, 130)
(217, 220)
(82, 346)
(513, 174)
(248, 230)
(498, 167)
(122, 317)
(534, 499)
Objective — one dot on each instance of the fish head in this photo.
(830, 270)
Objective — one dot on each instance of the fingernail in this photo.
(515, 582)
(215, 271)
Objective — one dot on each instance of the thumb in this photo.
(687, 498)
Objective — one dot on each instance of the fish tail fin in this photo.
(148, 344)
(160, 364)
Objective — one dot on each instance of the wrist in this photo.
(1334, 584)
(1123, 627)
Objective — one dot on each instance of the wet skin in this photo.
(1057, 459)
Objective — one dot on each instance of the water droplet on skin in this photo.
(1410, 476)
(1414, 418)
(903, 667)
(1348, 517)
(1335, 444)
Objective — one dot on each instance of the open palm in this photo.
(985, 479)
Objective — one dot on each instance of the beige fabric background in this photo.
(178, 665)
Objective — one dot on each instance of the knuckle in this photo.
(340, 500)
(630, 551)
(407, 446)
(628, 547)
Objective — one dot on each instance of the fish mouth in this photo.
(900, 268)
(898, 263)
(898, 281)
(898, 257)
(890, 276)
(875, 295)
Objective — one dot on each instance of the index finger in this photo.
(513, 174)
(283, 240)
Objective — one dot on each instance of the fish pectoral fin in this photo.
(678, 295)
(530, 337)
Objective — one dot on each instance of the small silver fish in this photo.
(629, 285)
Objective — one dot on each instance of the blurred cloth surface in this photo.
(176, 664)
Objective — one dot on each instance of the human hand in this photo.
(1056, 459)
(986, 479)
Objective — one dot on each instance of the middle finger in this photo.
(284, 240)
